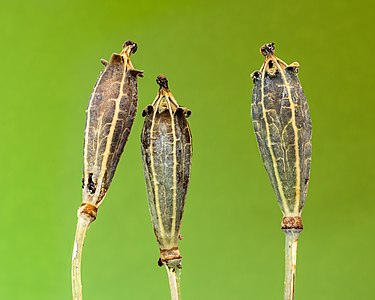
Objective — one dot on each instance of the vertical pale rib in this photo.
(296, 143)
(174, 174)
(269, 145)
(154, 181)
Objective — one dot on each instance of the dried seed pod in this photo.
(109, 118)
(166, 152)
(283, 128)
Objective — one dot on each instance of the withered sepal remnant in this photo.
(166, 153)
(283, 129)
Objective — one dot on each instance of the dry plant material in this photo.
(166, 153)
(283, 130)
(109, 118)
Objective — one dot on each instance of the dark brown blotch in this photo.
(91, 185)
(184, 111)
(162, 81)
(267, 49)
(132, 44)
(148, 110)
(256, 75)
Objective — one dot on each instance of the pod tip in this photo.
(133, 46)
(162, 81)
(268, 49)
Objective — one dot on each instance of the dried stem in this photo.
(291, 243)
(174, 274)
(82, 226)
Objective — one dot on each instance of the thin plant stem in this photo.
(82, 226)
(291, 243)
(174, 274)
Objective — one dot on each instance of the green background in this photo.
(233, 245)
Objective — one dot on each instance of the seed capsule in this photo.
(109, 118)
(166, 152)
(283, 130)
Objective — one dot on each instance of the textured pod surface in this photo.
(109, 118)
(166, 153)
(283, 129)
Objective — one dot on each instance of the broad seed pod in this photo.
(166, 153)
(109, 118)
(283, 129)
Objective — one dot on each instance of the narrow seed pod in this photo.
(166, 153)
(109, 118)
(283, 130)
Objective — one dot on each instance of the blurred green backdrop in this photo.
(233, 245)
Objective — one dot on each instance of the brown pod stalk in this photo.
(283, 129)
(166, 153)
(109, 118)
